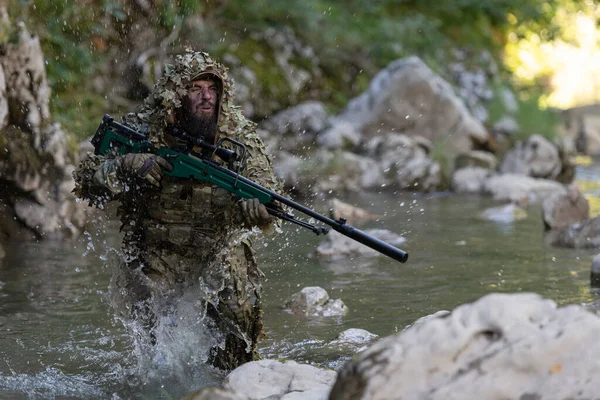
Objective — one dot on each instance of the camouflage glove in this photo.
(146, 166)
(255, 213)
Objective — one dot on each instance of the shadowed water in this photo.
(59, 337)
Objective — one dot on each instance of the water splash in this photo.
(172, 350)
(51, 383)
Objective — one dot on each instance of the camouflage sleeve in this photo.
(97, 179)
(258, 166)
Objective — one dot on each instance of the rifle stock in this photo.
(114, 137)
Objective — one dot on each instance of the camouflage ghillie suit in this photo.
(184, 234)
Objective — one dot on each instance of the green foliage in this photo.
(79, 112)
(530, 117)
(353, 39)
(533, 120)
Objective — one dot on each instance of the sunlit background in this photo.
(569, 65)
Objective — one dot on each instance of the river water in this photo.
(59, 337)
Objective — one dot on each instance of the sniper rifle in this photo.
(116, 138)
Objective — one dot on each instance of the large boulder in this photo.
(294, 129)
(521, 188)
(405, 162)
(564, 208)
(408, 97)
(271, 380)
(536, 157)
(36, 160)
(471, 179)
(503, 346)
(584, 234)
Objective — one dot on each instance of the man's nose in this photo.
(206, 95)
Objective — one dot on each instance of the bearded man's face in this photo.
(200, 109)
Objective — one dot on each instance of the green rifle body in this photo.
(116, 138)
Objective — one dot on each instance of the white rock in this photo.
(503, 346)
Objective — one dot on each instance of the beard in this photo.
(199, 126)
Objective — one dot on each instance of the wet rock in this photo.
(36, 160)
(353, 215)
(582, 125)
(567, 154)
(296, 127)
(270, 379)
(536, 157)
(353, 339)
(503, 346)
(506, 213)
(408, 97)
(337, 246)
(470, 179)
(342, 135)
(476, 159)
(519, 188)
(27, 92)
(404, 162)
(584, 234)
(314, 301)
(350, 172)
(301, 174)
(422, 320)
(562, 209)
(213, 393)
(423, 143)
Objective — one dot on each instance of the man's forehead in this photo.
(206, 77)
(204, 81)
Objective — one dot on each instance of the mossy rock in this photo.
(16, 149)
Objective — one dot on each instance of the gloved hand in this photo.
(146, 166)
(255, 213)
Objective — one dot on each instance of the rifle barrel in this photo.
(341, 227)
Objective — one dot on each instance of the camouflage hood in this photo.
(167, 95)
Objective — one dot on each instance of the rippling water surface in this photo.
(59, 338)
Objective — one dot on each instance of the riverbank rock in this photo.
(353, 339)
(337, 246)
(36, 159)
(584, 234)
(536, 157)
(503, 346)
(272, 380)
(470, 179)
(476, 159)
(314, 301)
(562, 209)
(567, 222)
(521, 188)
(506, 213)
(405, 162)
(295, 129)
(353, 215)
(408, 97)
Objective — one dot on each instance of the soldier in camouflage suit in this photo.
(177, 233)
